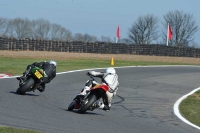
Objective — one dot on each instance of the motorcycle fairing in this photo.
(100, 86)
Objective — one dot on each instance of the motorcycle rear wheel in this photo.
(91, 99)
(24, 88)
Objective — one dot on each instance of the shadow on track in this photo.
(26, 94)
(86, 113)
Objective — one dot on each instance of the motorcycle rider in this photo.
(110, 78)
(48, 67)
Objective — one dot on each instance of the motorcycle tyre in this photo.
(91, 100)
(71, 106)
(24, 88)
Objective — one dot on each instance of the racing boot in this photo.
(104, 107)
(25, 74)
(22, 77)
(41, 87)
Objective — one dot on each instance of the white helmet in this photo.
(110, 70)
(53, 62)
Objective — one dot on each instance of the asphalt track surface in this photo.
(144, 103)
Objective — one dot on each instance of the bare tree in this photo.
(84, 37)
(106, 39)
(66, 35)
(33, 26)
(144, 30)
(60, 33)
(20, 28)
(125, 41)
(89, 38)
(4, 27)
(78, 37)
(40, 29)
(183, 28)
(55, 34)
(93, 38)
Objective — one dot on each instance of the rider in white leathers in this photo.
(110, 78)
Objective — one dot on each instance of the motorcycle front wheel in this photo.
(87, 103)
(71, 106)
(26, 87)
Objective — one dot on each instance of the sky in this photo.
(97, 17)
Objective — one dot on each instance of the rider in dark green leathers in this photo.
(48, 67)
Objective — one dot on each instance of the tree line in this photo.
(144, 30)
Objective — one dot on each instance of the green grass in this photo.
(190, 108)
(16, 66)
(15, 130)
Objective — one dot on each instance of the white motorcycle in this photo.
(83, 103)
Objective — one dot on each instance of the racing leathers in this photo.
(109, 79)
(49, 69)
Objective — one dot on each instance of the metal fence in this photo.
(13, 44)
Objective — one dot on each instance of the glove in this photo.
(41, 71)
(88, 73)
(91, 72)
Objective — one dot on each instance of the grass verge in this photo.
(16, 66)
(15, 130)
(190, 108)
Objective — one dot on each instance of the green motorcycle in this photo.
(32, 81)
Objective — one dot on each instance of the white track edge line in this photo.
(116, 67)
(177, 112)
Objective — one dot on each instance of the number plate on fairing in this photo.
(38, 75)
